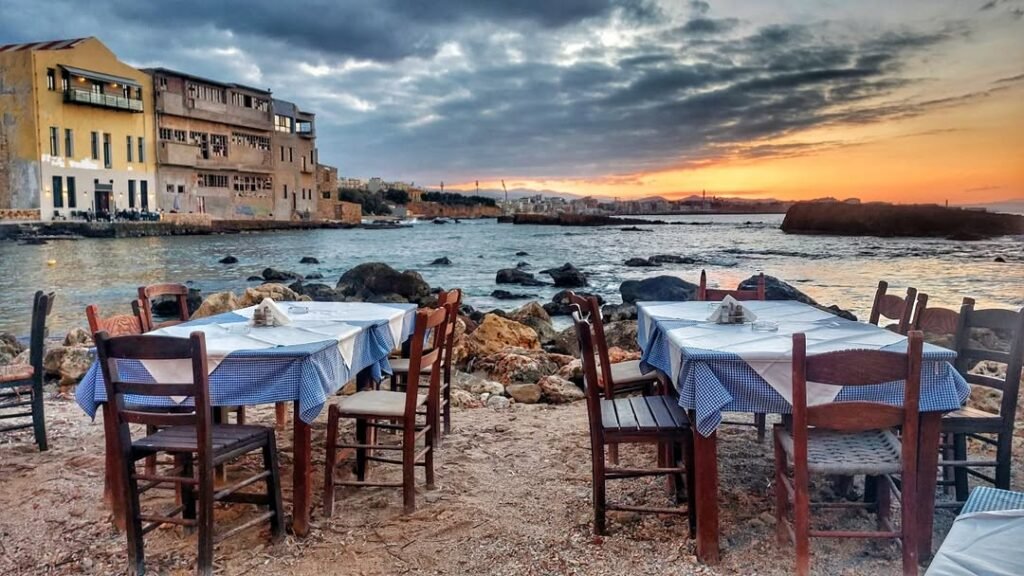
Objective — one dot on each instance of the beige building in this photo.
(293, 145)
(76, 131)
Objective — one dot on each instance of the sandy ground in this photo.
(513, 498)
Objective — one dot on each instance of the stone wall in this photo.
(187, 219)
(19, 214)
(436, 210)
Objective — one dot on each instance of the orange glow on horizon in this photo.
(970, 153)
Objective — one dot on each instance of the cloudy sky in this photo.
(909, 101)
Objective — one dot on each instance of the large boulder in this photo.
(620, 335)
(309, 260)
(317, 292)
(276, 292)
(558, 390)
(167, 306)
(533, 315)
(378, 282)
(10, 347)
(618, 312)
(217, 304)
(77, 337)
(442, 261)
(275, 275)
(657, 288)
(671, 259)
(566, 276)
(775, 289)
(476, 383)
(559, 305)
(516, 276)
(506, 295)
(495, 334)
(637, 262)
(69, 363)
(527, 393)
(521, 365)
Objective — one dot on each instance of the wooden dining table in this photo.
(718, 368)
(325, 345)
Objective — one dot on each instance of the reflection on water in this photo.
(831, 269)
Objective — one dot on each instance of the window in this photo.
(170, 188)
(173, 135)
(161, 83)
(257, 186)
(97, 88)
(285, 190)
(131, 193)
(213, 181)
(250, 140)
(247, 101)
(164, 134)
(205, 92)
(283, 123)
(106, 150)
(201, 139)
(181, 188)
(51, 79)
(282, 153)
(64, 80)
(69, 143)
(55, 143)
(219, 145)
(72, 200)
(326, 194)
(291, 154)
(129, 147)
(58, 192)
(144, 193)
(142, 149)
(95, 142)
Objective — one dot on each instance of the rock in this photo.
(506, 295)
(314, 276)
(228, 260)
(496, 402)
(276, 292)
(522, 253)
(640, 263)
(442, 261)
(10, 347)
(572, 371)
(317, 292)
(622, 335)
(217, 304)
(254, 279)
(167, 307)
(999, 259)
(516, 365)
(558, 390)
(378, 282)
(635, 229)
(516, 276)
(657, 288)
(566, 276)
(834, 309)
(309, 260)
(671, 259)
(69, 363)
(559, 305)
(530, 310)
(618, 312)
(881, 219)
(463, 399)
(275, 275)
(524, 393)
(776, 289)
(78, 337)
(522, 265)
(616, 355)
(565, 342)
(495, 334)
(477, 384)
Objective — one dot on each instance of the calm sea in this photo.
(831, 269)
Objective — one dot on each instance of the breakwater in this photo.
(894, 220)
(78, 229)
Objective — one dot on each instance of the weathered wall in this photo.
(435, 210)
(19, 151)
(327, 191)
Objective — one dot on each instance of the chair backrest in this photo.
(111, 350)
(705, 294)
(591, 381)
(435, 322)
(450, 300)
(148, 293)
(589, 308)
(858, 368)
(892, 307)
(1010, 325)
(42, 305)
(116, 325)
(939, 321)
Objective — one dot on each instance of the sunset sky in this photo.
(883, 100)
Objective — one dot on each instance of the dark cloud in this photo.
(709, 25)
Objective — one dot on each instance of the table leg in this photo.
(113, 490)
(302, 475)
(927, 472)
(705, 451)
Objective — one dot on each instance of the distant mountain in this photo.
(1011, 206)
(517, 193)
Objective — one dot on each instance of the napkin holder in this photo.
(268, 314)
(731, 312)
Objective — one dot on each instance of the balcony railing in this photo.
(79, 96)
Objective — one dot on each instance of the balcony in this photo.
(305, 129)
(80, 96)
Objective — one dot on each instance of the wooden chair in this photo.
(450, 300)
(705, 294)
(146, 295)
(196, 442)
(654, 420)
(393, 410)
(892, 307)
(970, 423)
(116, 325)
(847, 439)
(17, 379)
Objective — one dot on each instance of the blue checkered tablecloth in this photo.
(710, 382)
(307, 374)
(988, 499)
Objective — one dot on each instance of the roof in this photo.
(103, 77)
(47, 45)
(188, 76)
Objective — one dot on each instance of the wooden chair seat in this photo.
(227, 438)
(628, 372)
(657, 415)
(970, 419)
(16, 373)
(872, 452)
(383, 403)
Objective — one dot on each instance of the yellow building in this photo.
(76, 131)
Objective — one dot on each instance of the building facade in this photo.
(76, 131)
(293, 144)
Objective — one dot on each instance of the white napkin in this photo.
(280, 318)
(725, 311)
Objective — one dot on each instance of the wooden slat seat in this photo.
(871, 453)
(628, 372)
(381, 403)
(182, 439)
(974, 416)
(656, 415)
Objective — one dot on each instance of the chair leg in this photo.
(409, 469)
(613, 454)
(781, 497)
(960, 472)
(801, 525)
(136, 549)
(38, 414)
(188, 493)
(240, 415)
(1004, 457)
(281, 415)
(332, 460)
(361, 438)
(947, 472)
(760, 422)
(447, 408)
(274, 487)
(204, 559)
(883, 501)
(599, 488)
(691, 484)
(151, 460)
(428, 459)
